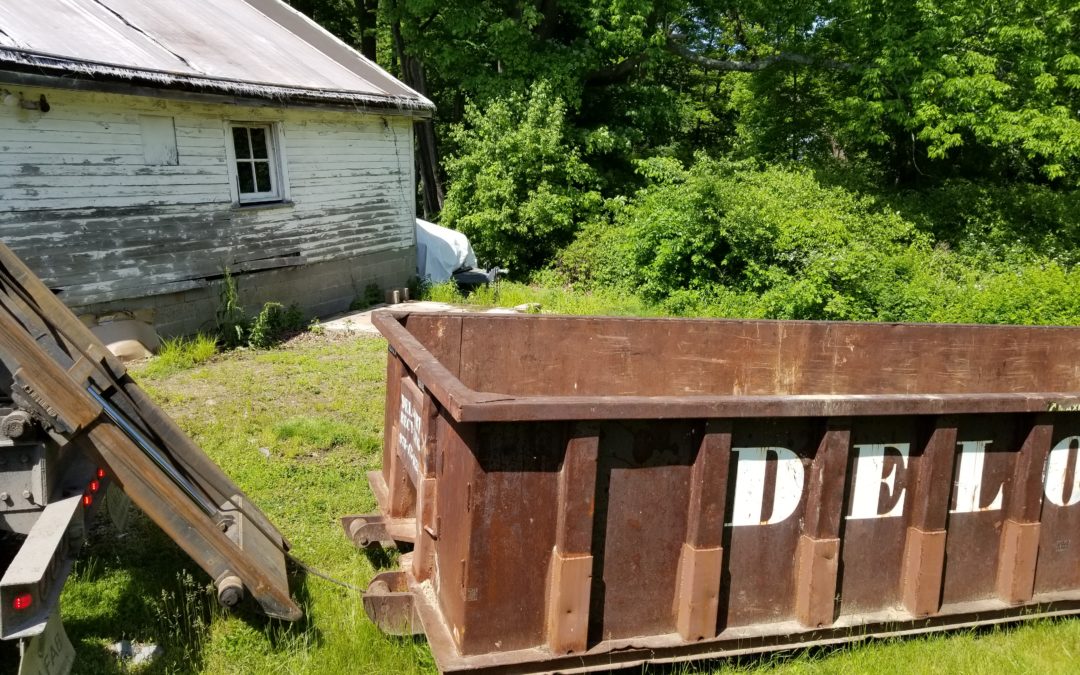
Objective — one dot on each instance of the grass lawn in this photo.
(297, 428)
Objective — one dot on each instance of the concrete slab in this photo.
(359, 323)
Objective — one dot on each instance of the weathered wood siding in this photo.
(80, 203)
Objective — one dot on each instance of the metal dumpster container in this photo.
(582, 493)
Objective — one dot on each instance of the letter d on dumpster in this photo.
(750, 476)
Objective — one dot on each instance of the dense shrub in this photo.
(519, 187)
(999, 220)
(735, 239)
(273, 324)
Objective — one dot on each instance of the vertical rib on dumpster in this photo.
(427, 516)
(818, 557)
(697, 599)
(924, 548)
(571, 559)
(1019, 546)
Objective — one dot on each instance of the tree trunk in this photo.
(427, 153)
(367, 16)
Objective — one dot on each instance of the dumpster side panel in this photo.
(441, 335)
(1059, 541)
(871, 575)
(987, 451)
(641, 514)
(767, 502)
(513, 508)
(458, 471)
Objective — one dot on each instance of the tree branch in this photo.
(616, 72)
(676, 47)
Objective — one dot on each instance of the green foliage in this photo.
(807, 250)
(445, 292)
(232, 322)
(983, 85)
(727, 238)
(273, 324)
(519, 186)
(183, 615)
(372, 295)
(176, 354)
(999, 221)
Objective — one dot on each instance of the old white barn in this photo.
(147, 145)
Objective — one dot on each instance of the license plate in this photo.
(48, 653)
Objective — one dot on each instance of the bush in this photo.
(232, 323)
(518, 186)
(807, 251)
(372, 295)
(273, 324)
(733, 239)
(978, 218)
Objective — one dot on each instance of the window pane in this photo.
(240, 142)
(258, 142)
(247, 180)
(262, 176)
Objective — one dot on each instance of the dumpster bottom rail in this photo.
(399, 605)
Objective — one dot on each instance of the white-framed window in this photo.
(256, 163)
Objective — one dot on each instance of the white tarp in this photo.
(441, 251)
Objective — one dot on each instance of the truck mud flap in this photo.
(48, 653)
(83, 395)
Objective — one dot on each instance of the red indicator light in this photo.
(87, 500)
(22, 601)
(94, 486)
(100, 473)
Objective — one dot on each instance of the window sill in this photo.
(261, 206)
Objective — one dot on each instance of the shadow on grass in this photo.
(140, 586)
(382, 558)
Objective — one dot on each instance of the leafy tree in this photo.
(520, 184)
(963, 116)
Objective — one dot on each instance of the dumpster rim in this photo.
(465, 404)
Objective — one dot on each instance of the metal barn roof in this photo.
(248, 48)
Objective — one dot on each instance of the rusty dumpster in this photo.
(580, 493)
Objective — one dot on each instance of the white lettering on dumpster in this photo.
(870, 476)
(969, 479)
(750, 486)
(876, 490)
(1057, 464)
(409, 435)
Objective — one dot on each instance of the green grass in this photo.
(180, 353)
(315, 407)
(551, 299)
